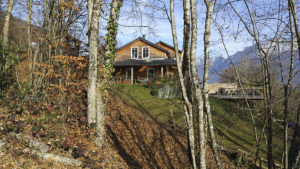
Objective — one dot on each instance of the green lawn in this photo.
(233, 126)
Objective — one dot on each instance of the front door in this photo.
(128, 74)
(150, 73)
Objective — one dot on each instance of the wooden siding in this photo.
(125, 53)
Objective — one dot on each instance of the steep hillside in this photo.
(145, 143)
(18, 31)
(36, 133)
(233, 125)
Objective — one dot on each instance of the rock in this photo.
(42, 147)
(57, 158)
(1, 144)
(1, 126)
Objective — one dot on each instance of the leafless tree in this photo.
(294, 153)
(293, 10)
(265, 54)
(7, 22)
(188, 107)
(29, 8)
(208, 22)
(96, 106)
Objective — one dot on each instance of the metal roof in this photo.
(140, 62)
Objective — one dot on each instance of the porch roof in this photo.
(139, 62)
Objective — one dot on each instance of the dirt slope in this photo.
(134, 140)
(144, 143)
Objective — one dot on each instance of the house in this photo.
(140, 61)
(72, 48)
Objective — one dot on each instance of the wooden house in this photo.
(140, 61)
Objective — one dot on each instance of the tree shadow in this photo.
(144, 143)
(227, 137)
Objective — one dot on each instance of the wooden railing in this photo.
(237, 93)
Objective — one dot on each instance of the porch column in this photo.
(167, 67)
(162, 71)
(131, 75)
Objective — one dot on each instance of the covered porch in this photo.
(142, 73)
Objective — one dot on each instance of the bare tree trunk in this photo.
(294, 153)
(207, 33)
(266, 74)
(270, 115)
(293, 10)
(104, 81)
(197, 87)
(285, 140)
(291, 159)
(186, 67)
(6, 23)
(187, 104)
(257, 139)
(93, 93)
(286, 92)
(29, 6)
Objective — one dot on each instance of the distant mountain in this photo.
(219, 64)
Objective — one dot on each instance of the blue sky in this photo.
(163, 32)
(160, 26)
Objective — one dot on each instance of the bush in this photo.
(6, 67)
(172, 83)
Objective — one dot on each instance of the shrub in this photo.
(7, 64)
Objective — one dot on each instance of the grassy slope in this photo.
(233, 126)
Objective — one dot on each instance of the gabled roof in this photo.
(167, 45)
(145, 41)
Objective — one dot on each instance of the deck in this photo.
(237, 94)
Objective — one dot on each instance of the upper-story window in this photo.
(145, 52)
(134, 53)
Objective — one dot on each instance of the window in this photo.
(128, 74)
(134, 53)
(150, 73)
(145, 52)
(72, 44)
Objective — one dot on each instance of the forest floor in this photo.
(40, 133)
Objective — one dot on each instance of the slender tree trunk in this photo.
(291, 159)
(187, 104)
(207, 33)
(266, 74)
(197, 86)
(29, 6)
(7, 22)
(104, 82)
(270, 114)
(293, 10)
(294, 153)
(257, 140)
(285, 140)
(187, 47)
(93, 94)
(286, 93)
